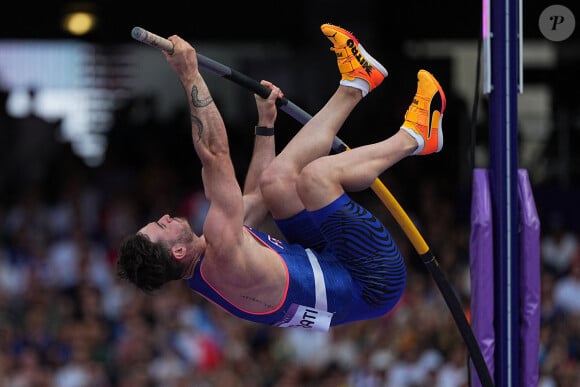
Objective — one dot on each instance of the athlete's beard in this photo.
(186, 234)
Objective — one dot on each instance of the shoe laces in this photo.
(342, 54)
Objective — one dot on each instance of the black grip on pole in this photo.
(237, 77)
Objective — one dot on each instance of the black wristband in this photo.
(263, 131)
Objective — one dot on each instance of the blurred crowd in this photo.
(67, 321)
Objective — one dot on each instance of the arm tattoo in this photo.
(198, 103)
(195, 99)
(197, 122)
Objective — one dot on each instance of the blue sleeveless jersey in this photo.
(310, 274)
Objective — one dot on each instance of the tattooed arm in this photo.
(223, 224)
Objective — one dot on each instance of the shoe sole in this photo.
(375, 63)
(432, 111)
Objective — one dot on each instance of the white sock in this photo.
(357, 83)
(417, 137)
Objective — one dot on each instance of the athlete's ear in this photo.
(179, 250)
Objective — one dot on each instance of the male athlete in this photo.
(337, 263)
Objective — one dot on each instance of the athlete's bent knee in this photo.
(276, 181)
(312, 179)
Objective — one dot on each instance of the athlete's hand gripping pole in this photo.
(378, 188)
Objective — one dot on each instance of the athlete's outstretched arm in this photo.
(255, 211)
(223, 225)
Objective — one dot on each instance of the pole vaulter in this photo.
(412, 233)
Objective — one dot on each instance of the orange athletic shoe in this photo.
(354, 63)
(422, 120)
